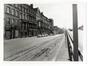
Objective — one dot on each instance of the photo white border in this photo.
(44, 63)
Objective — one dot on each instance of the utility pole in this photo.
(75, 32)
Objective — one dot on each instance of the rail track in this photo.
(34, 52)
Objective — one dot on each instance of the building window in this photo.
(39, 24)
(29, 17)
(12, 21)
(7, 9)
(16, 5)
(16, 21)
(20, 15)
(12, 4)
(19, 6)
(27, 10)
(26, 17)
(23, 26)
(23, 9)
(7, 21)
(17, 13)
(13, 11)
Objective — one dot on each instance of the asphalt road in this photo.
(51, 48)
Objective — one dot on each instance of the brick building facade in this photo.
(22, 20)
(45, 25)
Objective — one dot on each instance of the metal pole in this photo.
(75, 32)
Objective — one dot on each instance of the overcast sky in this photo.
(61, 12)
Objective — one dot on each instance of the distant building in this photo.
(11, 20)
(57, 30)
(44, 24)
(20, 20)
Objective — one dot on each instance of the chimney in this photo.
(31, 5)
(42, 13)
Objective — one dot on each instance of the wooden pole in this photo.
(75, 32)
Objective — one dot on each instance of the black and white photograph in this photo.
(44, 30)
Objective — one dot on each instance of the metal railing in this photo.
(71, 48)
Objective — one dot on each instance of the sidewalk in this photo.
(16, 39)
(62, 51)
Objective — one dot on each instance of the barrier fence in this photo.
(71, 48)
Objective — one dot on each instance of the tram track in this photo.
(25, 51)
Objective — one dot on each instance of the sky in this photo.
(61, 12)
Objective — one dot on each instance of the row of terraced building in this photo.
(22, 20)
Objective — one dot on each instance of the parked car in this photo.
(39, 35)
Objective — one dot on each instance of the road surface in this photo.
(51, 48)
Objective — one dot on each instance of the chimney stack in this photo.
(42, 13)
(31, 5)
